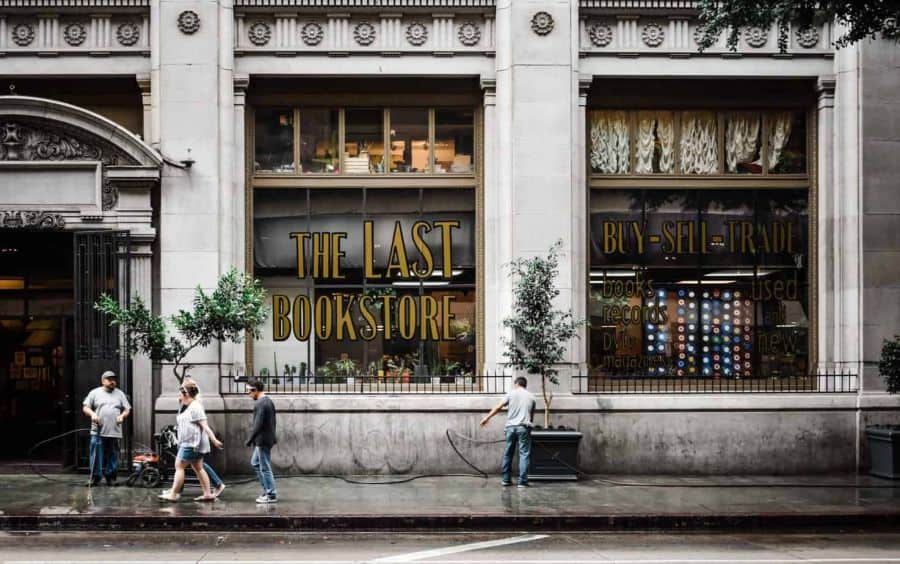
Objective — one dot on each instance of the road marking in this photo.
(416, 556)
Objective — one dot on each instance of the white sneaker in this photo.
(266, 499)
(218, 491)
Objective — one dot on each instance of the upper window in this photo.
(697, 142)
(353, 141)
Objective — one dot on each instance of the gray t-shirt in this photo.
(520, 403)
(190, 434)
(108, 406)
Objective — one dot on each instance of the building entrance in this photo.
(36, 343)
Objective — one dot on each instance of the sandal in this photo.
(205, 498)
(164, 497)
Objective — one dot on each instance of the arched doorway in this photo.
(75, 220)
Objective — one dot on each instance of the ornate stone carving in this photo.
(364, 33)
(109, 195)
(808, 38)
(25, 140)
(755, 36)
(259, 33)
(653, 34)
(312, 33)
(542, 23)
(417, 33)
(469, 34)
(128, 33)
(15, 219)
(75, 33)
(188, 22)
(23, 34)
(601, 34)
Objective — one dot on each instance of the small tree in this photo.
(235, 308)
(889, 364)
(540, 332)
(860, 19)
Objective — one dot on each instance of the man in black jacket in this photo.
(262, 439)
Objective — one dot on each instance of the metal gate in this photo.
(102, 266)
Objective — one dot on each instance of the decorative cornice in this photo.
(75, 3)
(17, 219)
(29, 139)
(638, 4)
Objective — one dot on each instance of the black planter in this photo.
(884, 450)
(554, 454)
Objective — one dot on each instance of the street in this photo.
(307, 548)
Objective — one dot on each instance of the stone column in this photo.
(825, 203)
(493, 226)
(239, 251)
(145, 85)
(141, 366)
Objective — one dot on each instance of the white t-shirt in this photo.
(190, 434)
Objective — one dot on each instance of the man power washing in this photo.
(107, 407)
(519, 416)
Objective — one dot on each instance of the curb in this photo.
(783, 522)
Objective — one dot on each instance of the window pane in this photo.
(610, 145)
(274, 140)
(655, 143)
(364, 146)
(787, 143)
(454, 141)
(409, 140)
(699, 148)
(743, 142)
(319, 141)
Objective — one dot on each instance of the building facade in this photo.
(727, 222)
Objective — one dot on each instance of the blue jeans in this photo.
(214, 479)
(104, 455)
(522, 435)
(262, 465)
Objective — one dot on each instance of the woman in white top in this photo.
(194, 437)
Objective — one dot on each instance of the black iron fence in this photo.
(368, 384)
(830, 382)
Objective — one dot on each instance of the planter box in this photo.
(554, 454)
(884, 450)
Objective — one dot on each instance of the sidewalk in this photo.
(622, 503)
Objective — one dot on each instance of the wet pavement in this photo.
(460, 503)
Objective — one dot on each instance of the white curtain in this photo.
(742, 139)
(655, 128)
(699, 144)
(779, 136)
(609, 142)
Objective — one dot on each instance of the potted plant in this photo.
(884, 440)
(540, 333)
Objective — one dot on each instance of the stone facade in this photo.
(538, 64)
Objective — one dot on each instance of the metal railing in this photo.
(832, 382)
(367, 384)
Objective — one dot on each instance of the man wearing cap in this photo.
(107, 407)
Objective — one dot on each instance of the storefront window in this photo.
(454, 141)
(409, 140)
(274, 140)
(787, 143)
(743, 142)
(364, 146)
(319, 141)
(699, 283)
(360, 284)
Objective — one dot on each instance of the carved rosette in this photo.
(128, 33)
(364, 33)
(21, 140)
(259, 33)
(188, 22)
(417, 34)
(808, 38)
(23, 34)
(653, 34)
(75, 33)
(312, 33)
(15, 219)
(755, 37)
(469, 34)
(542, 23)
(600, 34)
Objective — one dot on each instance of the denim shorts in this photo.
(189, 454)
